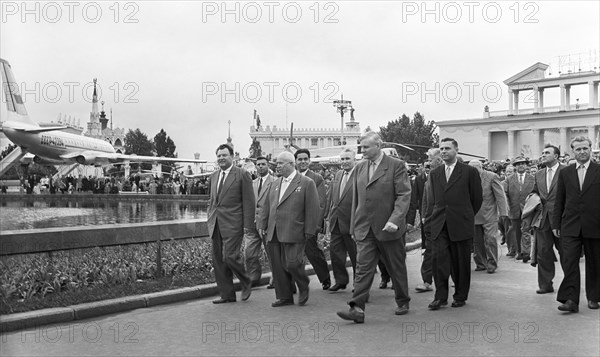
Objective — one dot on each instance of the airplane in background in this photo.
(51, 145)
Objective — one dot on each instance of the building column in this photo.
(568, 97)
(563, 96)
(536, 100)
(510, 102)
(489, 146)
(541, 93)
(516, 102)
(535, 148)
(593, 97)
(564, 144)
(592, 135)
(511, 144)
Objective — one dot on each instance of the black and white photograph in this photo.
(300, 178)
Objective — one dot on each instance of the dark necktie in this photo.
(260, 185)
(220, 186)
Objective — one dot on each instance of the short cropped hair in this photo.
(301, 151)
(556, 149)
(454, 142)
(579, 139)
(225, 146)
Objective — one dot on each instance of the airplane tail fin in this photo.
(14, 101)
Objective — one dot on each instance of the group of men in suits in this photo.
(366, 207)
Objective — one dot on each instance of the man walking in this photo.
(339, 213)
(231, 211)
(576, 221)
(456, 194)
(315, 255)
(287, 221)
(485, 244)
(545, 187)
(380, 203)
(254, 242)
(517, 187)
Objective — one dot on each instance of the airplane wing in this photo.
(97, 157)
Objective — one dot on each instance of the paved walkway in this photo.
(503, 316)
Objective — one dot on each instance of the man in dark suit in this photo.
(231, 211)
(339, 210)
(485, 243)
(577, 221)
(380, 203)
(254, 242)
(517, 187)
(457, 196)
(288, 220)
(545, 187)
(315, 255)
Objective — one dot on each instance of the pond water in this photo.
(19, 215)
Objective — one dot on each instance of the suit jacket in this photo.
(260, 198)
(420, 191)
(517, 193)
(321, 190)
(547, 196)
(494, 199)
(455, 202)
(578, 210)
(295, 215)
(340, 207)
(384, 198)
(235, 210)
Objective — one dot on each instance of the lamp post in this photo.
(342, 107)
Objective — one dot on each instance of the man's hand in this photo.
(262, 233)
(390, 227)
(556, 233)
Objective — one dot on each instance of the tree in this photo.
(137, 143)
(164, 146)
(415, 132)
(255, 149)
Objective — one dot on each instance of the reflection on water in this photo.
(29, 215)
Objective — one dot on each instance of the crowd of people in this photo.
(176, 185)
(536, 208)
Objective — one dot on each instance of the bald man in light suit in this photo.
(288, 219)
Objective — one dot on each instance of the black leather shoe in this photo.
(383, 284)
(303, 297)
(569, 306)
(510, 254)
(519, 256)
(491, 270)
(326, 284)
(255, 283)
(436, 304)
(279, 303)
(402, 310)
(458, 303)
(246, 291)
(593, 305)
(544, 291)
(354, 314)
(479, 269)
(337, 287)
(270, 286)
(526, 258)
(223, 301)
(503, 241)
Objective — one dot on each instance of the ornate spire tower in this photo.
(93, 126)
(229, 135)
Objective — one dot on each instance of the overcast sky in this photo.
(180, 65)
